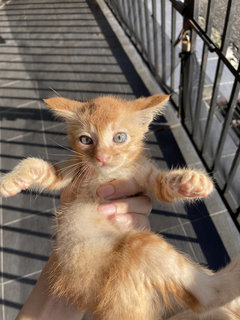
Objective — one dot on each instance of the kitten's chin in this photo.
(107, 169)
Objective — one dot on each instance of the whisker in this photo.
(83, 175)
(70, 168)
(72, 161)
(87, 175)
(57, 93)
(76, 180)
(57, 154)
(66, 148)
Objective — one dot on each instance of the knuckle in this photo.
(122, 206)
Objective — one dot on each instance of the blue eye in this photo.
(85, 140)
(120, 137)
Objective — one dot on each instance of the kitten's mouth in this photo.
(103, 165)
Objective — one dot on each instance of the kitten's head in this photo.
(107, 132)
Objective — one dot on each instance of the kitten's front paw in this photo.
(12, 184)
(22, 176)
(190, 183)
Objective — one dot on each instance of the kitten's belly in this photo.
(81, 222)
(84, 238)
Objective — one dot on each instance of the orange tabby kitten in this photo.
(110, 272)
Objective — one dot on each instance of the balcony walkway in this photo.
(69, 47)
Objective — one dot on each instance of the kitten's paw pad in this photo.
(11, 185)
(191, 184)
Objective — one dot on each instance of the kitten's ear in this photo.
(63, 107)
(147, 108)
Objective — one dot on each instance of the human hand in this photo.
(126, 207)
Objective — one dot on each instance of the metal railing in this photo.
(194, 67)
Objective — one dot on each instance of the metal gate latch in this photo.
(185, 37)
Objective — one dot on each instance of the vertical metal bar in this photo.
(187, 68)
(155, 37)
(141, 18)
(125, 8)
(119, 4)
(135, 19)
(163, 25)
(196, 122)
(113, 2)
(225, 40)
(119, 7)
(173, 53)
(233, 170)
(231, 106)
(212, 109)
(148, 32)
(194, 7)
(131, 23)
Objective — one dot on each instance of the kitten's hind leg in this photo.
(31, 172)
(147, 275)
(197, 287)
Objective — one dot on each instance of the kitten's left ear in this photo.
(147, 108)
(63, 107)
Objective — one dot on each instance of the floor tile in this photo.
(28, 204)
(16, 122)
(31, 145)
(16, 293)
(229, 235)
(208, 246)
(164, 216)
(27, 246)
(180, 240)
(214, 203)
(187, 149)
(2, 306)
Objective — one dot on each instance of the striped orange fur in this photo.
(116, 273)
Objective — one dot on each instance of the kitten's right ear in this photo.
(63, 107)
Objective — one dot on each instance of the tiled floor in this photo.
(69, 47)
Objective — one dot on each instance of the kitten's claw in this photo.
(191, 184)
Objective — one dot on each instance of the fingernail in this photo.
(105, 191)
(107, 209)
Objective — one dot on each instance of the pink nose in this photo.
(102, 158)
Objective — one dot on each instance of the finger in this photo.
(132, 220)
(118, 189)
(141, 205)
